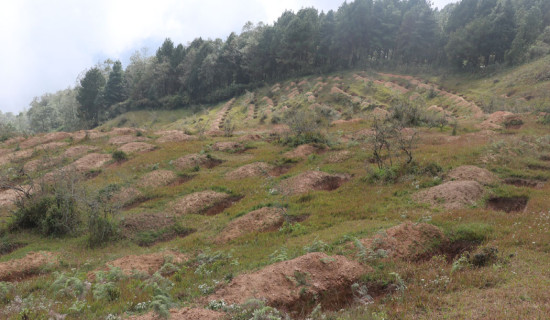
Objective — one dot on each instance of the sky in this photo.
(46, 44)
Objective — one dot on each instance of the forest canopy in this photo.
(468, 36)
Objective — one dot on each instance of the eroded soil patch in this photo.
(31, 264)
(204, 202)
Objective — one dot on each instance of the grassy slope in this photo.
(514, 288)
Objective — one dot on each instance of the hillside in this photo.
(355, 195)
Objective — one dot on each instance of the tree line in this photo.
(470, 35)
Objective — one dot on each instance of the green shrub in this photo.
(101, 229)
(120, 156)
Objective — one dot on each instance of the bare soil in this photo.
(173, 136)
(261, 220)
(495, 120)
(408, 241)
(183, 314)
(339, 156)
(126, 197)
(31, 264)
(518, 182)
(472, 173)
(77, 151)
(302, 151)
(41, 140)
(310, 181)
(508, 204)
(204, 202)
(250, 170)
(351, 121)
(8, 198)
(158, 178)
(133, 147)
(145, 222)
(90, 162)
(120, 140)
(196, 159)
(145, 263)
(297, 285)
(452, 195)
(124, 131)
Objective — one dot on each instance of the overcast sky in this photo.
(45, 45)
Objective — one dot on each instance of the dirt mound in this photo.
(289, 284)
(32, 263)
(158, 178)
(250, 137)
(87, 134)
(339, 156)
(8, 198)
(41, 140)
(91, 161)
(361, 134)
(452, 195)
(52, 145)
(196, 159)
(250, 170)
(183, 314)
(16, 156)
(124, 131)
(126, 197)
(173, 136)
(380, 113)
(77, 151)
(302, 151)
(311, 180)
(264, 219)
(146, 263)
(495, 120)
(407, 241)
(40, 164)
(472, 173)
(341, 121)
(204, 202)
(14, 140)
(120, 140)
(133, 147)
(228, 146)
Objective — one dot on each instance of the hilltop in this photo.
(352, 195)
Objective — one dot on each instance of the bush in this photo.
(120, 156)
(101, 229)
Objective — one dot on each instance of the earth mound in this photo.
(339, 156)
(452, 195)
(204, 202)
(472, 173)
(120, 140)
(264, 219)
(408, 241)
(173, 136)
(228, 146)
(133, 147)
(126, 197)
(145, 222)
(91, 161)
(250, 170)
(158, 178)
(287, 285)
(183, 314)
(18, 269)
(77, 151)
(302, 151)
(310, 181)
(47, 138)
(194, 160)
(495, 120)
(146, 263)
(8, 197)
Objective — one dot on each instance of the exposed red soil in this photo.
(196, 159)
(173, 136)
(452, 195)
(302, 151)
(133, 147)
(289, 285)
(408, 241)
(472, 173)
(183, 314)
(90, 162)
(261, 220)
(31, 264)
(250, 170)
(204, 202)
(77, 151)
(310, 181)
(145, 263)
(157, 178)
(495, 120)
(120, 140)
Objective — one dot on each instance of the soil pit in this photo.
(518, 182)
(508, 204)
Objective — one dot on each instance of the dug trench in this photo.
(508, 204)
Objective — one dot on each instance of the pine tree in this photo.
(115, 90)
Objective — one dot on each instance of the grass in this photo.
(514, 289)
